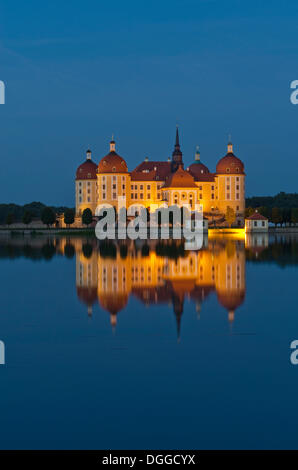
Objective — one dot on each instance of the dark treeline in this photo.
(281, 209)
(17, 211)
(281, 200)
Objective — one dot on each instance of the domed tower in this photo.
(231, 185)
(197, 169)
(113, 179)
(86, 178)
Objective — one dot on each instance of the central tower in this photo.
(177, 154)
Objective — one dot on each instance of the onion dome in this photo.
(87, 170)
(230, 163)
(197, 168)
(112, 162)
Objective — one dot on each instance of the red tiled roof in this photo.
(180, 179)
(257, 216)
(112, 162)
(230, 164)
(161, 170)
(86, 170)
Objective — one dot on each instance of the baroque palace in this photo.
(155, 184)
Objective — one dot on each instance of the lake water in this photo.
(138, 346)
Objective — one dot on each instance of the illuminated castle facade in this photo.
(159, 183)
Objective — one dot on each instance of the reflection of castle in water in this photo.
(154, 275)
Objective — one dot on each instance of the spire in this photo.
(112, 144)
(177, 138)
(177, 154)
(230, 145)
(197, 154)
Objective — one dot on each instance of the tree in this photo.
(230, 216)
(10, 218)
(69, 217)
(27, 218)
(276, 216)
(87, 216)
(286, 216)
(48, 216)
(294, 216)
(264, 210)
(249, 211)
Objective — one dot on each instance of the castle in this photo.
(160, 183)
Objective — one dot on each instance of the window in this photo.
(88, 191)
(88, 199)
(237, 208)
(148, 195)
(200, 188)
(263, 223)
(228, 196)
(228, 188)
(212, 196)
(201, 196)
(212, 188)
(114, 169)
(131, 195)
(141, 186)
(131, 187)
(237, 178)
(103, 195)
(237, 187)
(136, 187)
(114, 196)
(255, 223)
(114, 186)
(80, 183)
(141, 195)
(228, 170)
(80, 199)
(123, 186)
(80, 191)
(148, 187)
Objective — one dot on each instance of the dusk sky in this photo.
(76, 72)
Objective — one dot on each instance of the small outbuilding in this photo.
(256, 223)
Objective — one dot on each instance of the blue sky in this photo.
(76, 72)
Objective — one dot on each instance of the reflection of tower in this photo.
(86, 273)
(231, 277)
(113, 285)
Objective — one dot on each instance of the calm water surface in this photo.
(148, 346)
